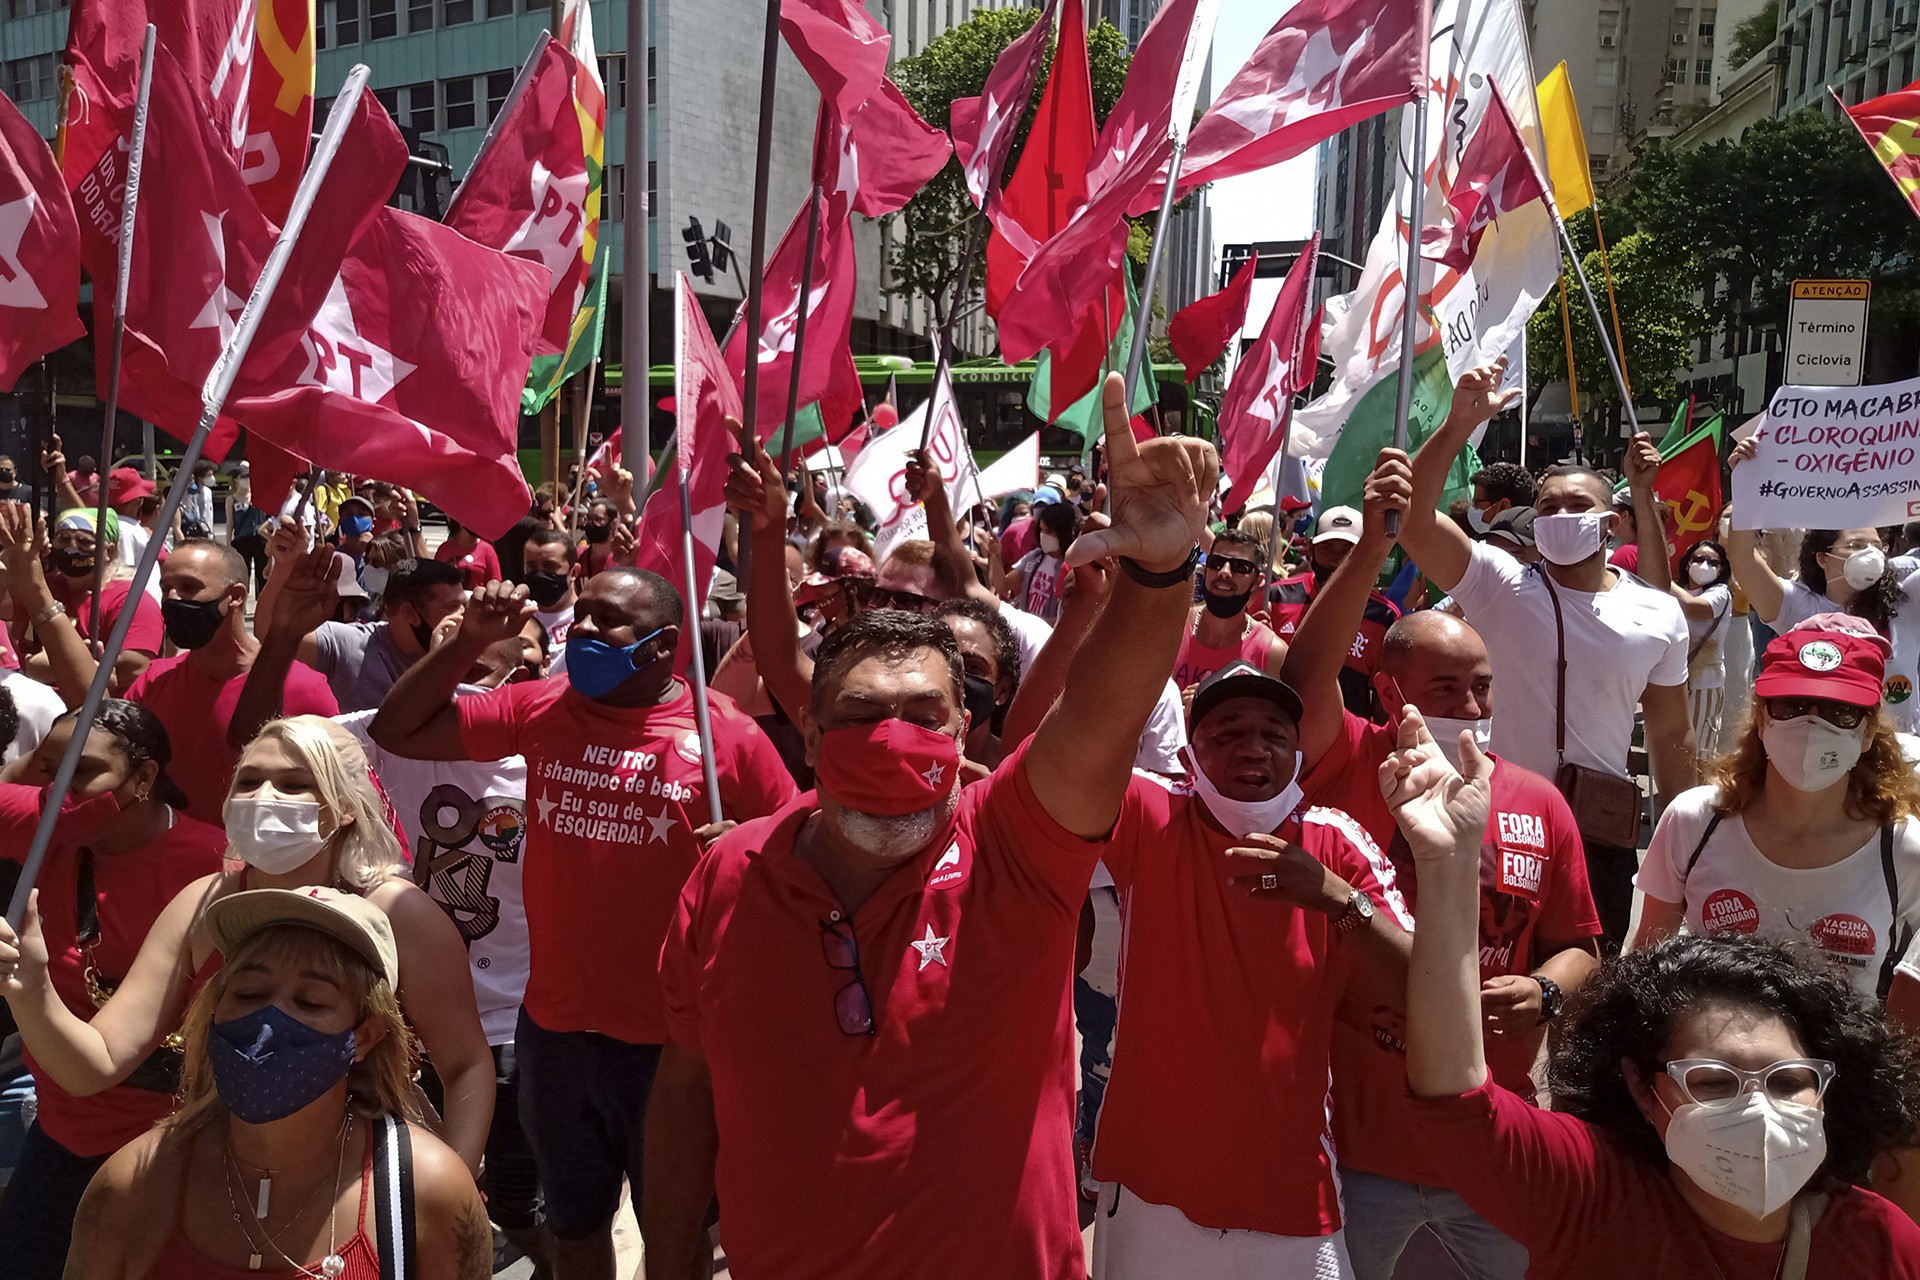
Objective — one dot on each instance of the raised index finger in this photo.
(1122, 448)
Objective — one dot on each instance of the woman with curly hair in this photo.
(1809, 832)
(1718, 1099)
(295, 1151)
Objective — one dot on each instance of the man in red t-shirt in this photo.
(869, 995)
(1334, 537)
(616, 801)
(1537, 918)
(203, 588)
(67, 581)
(1222, 628)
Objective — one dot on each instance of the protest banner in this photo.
(878, 477)
(1833, 458)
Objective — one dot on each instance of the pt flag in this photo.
(526, 193)
(39, 250)
(1497, 175)
(1889, 125)
(841, 46)
(892, 152)
(983, 127)
(1201, 331)
(878, 477)
(1325, 65)
(1566, 143)
(1257, 409)
(411, 371)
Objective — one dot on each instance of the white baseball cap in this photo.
(1337, 524)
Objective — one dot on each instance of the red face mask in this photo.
(84, 819)
(888, 768)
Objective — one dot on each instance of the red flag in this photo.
(892, 152)
(1050, 183)
(1888, 125)
(39, 250)
(704, 396)
(1200, 332)
(1497, 175)
(526, 193)
(983, 127)
(1324, 66)
(1257, 407)
(1689, 483)
(411, 371)
(827, 373)
(840, 45)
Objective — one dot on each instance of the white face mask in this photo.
(1479, 519)
(1810, 754)
(1446, 735)
(374, 580)
(1049, 544)
(274, 833)
(1864, 567)
(1755, 1155)
(1246, 817)
(1702, 574)
(1569, 537)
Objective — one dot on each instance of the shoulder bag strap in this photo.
(1698, 849)
(1806, 1211)
(1694, 649)
(1560, 670)
(1898, 934)
(393, 1198)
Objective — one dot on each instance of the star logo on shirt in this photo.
(546, 809)
(931, 949)
(662, 825)
(934, 773)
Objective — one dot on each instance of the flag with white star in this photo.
(39, 250)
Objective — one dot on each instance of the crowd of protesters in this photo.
(1057, 869)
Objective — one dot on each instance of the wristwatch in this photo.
(1172, 577)
(1359, 911)
(1552, 999)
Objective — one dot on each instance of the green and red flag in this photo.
(1889, 124)
(1688, 482)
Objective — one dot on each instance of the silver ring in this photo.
(1269, 882)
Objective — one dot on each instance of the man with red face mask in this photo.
(869, 993)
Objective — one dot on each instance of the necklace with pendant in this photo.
(256, 1234)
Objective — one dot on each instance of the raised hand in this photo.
(1388, 489)
(52, 461)
(755, 487)
(1477, 396)
(494, 613)
(1744, 450)
(616, 485)
(291, 539)
(623, 544)
(1643, 461)
(1160, 491)
(23, 955)
(308, 596)
(1441, 812)
(22, 542)
(923, 477)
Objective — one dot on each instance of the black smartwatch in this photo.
(1552, 999)
(1172, 577)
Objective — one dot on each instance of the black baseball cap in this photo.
(1242, 680)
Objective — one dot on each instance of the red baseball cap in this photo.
(1836, 666)
(126, 484)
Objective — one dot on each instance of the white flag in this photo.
(878, 476)
(1017, 468)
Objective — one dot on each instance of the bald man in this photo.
(1538, 924)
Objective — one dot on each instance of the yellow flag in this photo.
(1566, 145)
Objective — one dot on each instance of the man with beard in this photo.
(1334, 538)
(1220, 630)
(868, 993)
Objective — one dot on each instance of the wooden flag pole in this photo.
(213, 398)
(1593, 309)
(123, 269)
(1606, 271)
(636, 298)
(1566, 328)
(698, 666)
(1410, 284)
(814, 198)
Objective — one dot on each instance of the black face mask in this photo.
(71, 562)
(7, 479)
(979, 700)
(596, 532)
(191, 624)
(1225, 606)
(544, 586)
(453, 527)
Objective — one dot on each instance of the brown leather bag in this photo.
(1606, 806)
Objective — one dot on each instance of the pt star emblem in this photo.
(223, 305)
(546, 809)
(17, 288)
(934, 773)
(931, 949)
(662, 825)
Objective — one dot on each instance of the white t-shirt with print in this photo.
(1898, 691)
(1618, 642)
(466, 825)
(1843, 909)
(1166, 731)
(1708, 669)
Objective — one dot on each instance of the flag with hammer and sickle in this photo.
(1688, 482)
(1888, 124)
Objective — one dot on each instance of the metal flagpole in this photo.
(1410, 284)
(129, 216)
(757, 246)
(1593, 308)
(698, 667)
(636, 416)
(799, 327)
(943, 355)
(1142, 322)
(1523, 396)
(213, 397)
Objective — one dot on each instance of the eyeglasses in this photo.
(906, 601)
(852, 1005)
(1232, 564)
(1713, 1084)
(1841, 715)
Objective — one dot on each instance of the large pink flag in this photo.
(526, 193)
(983, 127)
(1497, 175)
(1201, 331)
(1326, 65)
(840, 44)
(1257, 408)
(39, 250)
(892, 152)
(704, 397)
(411, 371)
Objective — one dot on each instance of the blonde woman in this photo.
(302, 812)
(294, 1151)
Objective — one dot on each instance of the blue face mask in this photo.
(354, 526)
(269, 1064)
(596, 668)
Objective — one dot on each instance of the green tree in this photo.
(1755, 34)
(925, 259)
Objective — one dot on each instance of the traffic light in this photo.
(722, 246)
(696, 239)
